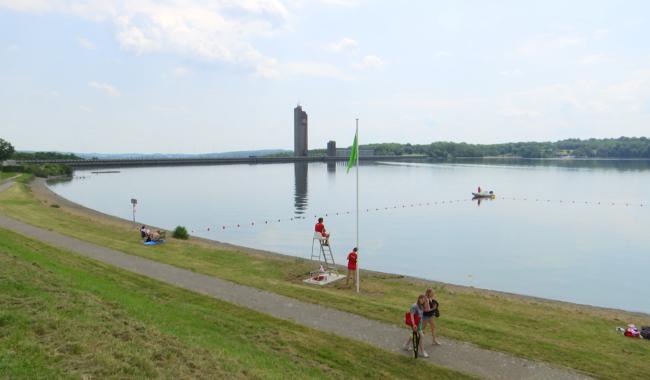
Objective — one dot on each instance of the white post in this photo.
(358, 249)
(133, 203)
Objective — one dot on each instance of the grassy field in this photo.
(64, 316)
(568, 335)
(5, 175)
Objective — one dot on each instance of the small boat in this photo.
(484, 194)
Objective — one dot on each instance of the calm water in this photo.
(536, 241)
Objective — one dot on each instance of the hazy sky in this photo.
(199, 76)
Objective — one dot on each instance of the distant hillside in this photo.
(622, 147)
(149, 156)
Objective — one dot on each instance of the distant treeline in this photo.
(622, 147)
(23, 156)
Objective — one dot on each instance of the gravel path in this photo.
(451, 354)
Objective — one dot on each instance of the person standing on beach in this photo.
(352, 266)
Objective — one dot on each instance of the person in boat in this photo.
(320, 228)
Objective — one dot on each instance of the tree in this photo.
(6, 150)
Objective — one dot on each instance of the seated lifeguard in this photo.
(319, 229)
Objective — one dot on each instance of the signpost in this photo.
(133, 203)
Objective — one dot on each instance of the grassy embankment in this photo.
(5, 175)
(578, 337)
(64, 316)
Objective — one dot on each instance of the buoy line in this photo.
(269, 221)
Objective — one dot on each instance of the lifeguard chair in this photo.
(324, 252)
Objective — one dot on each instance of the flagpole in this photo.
(358, 249)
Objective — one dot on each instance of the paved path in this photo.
(451, 354)
(8, 181)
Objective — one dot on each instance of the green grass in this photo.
(562, 334)
(64, 316)
(5, 175)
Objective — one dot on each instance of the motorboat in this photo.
(484, 194)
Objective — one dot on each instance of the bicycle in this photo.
(409, 320)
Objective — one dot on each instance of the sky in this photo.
(193, 76)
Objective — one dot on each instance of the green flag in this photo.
(354, 152)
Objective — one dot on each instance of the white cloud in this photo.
(589, 98)
(344, 45)
(593, 59)
(85, 43)
(345, 3)
(442, 54)
(213, 31)
(633, 92)
(105, 88)
(315, 69)
(548, 43)
(512, 73)
(417, 101)
(180, 71)
(600, 34)
(26, 5)
(509, 109)
(312, 3)
(370, 62)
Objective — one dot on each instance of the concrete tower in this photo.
(299, 132)
(331, 148)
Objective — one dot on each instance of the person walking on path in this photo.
(416, 312)
(320, 228)
(430, 311)
(352, 266)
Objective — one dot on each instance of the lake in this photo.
(568, 230)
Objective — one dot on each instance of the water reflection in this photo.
(481, 199)
(300, 170)
(62, 180)
(619, 165)
(331, 167)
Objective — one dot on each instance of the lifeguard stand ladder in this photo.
(324, 252)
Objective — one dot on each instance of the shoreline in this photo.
(478, 360)
(45, 194)
(552, 158)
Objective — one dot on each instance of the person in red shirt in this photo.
(352, 265)
(320, 228)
